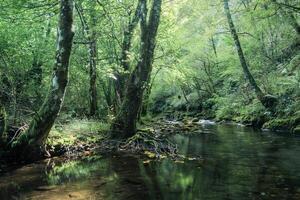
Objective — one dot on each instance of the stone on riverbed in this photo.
(206, 122)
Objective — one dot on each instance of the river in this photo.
(233, 162)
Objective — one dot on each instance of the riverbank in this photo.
(71, 138)
(261, 120)
(82, 137)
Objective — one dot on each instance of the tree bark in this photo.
(93, 70)
(43, 121)
(3, 124)
(124, 125)
(146, 99)
(247, 73)
(125, 53)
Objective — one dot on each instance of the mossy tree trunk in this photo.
(267, 100)
(124, 125)
(125, 52)
(43, 121)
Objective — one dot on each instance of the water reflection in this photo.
(237, 163)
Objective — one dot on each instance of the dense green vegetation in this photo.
(119, 63)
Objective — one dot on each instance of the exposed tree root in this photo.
(143, 141)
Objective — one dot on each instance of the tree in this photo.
(42, 122)
(125, 123)
(90, 33)
(2, 123)
(266, 100)
(125, 52)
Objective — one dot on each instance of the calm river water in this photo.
(236, 163)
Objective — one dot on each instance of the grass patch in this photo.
(77, 132)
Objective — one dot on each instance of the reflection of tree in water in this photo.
(235, 161)
(237, 164)
(189, 180)
(12, 185)
(115, 177)
(131, 184)
(256, 162)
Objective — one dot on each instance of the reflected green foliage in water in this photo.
(76, 170)
(235, 163)
(238, 163)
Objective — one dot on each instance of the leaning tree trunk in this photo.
(267, 100)
(43, 121)
(124, 125)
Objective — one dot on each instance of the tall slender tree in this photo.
(125, 123)
(2, 123)
(43, 121)
(90, 34)
(266, 100)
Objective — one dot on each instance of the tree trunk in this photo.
(90, 33)
(93, 74)
(125, 53)
(43, 121)
(247, 73)
(36, 76)
(144, 109)
(4, 98)
(124, 125)
(3, 124)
